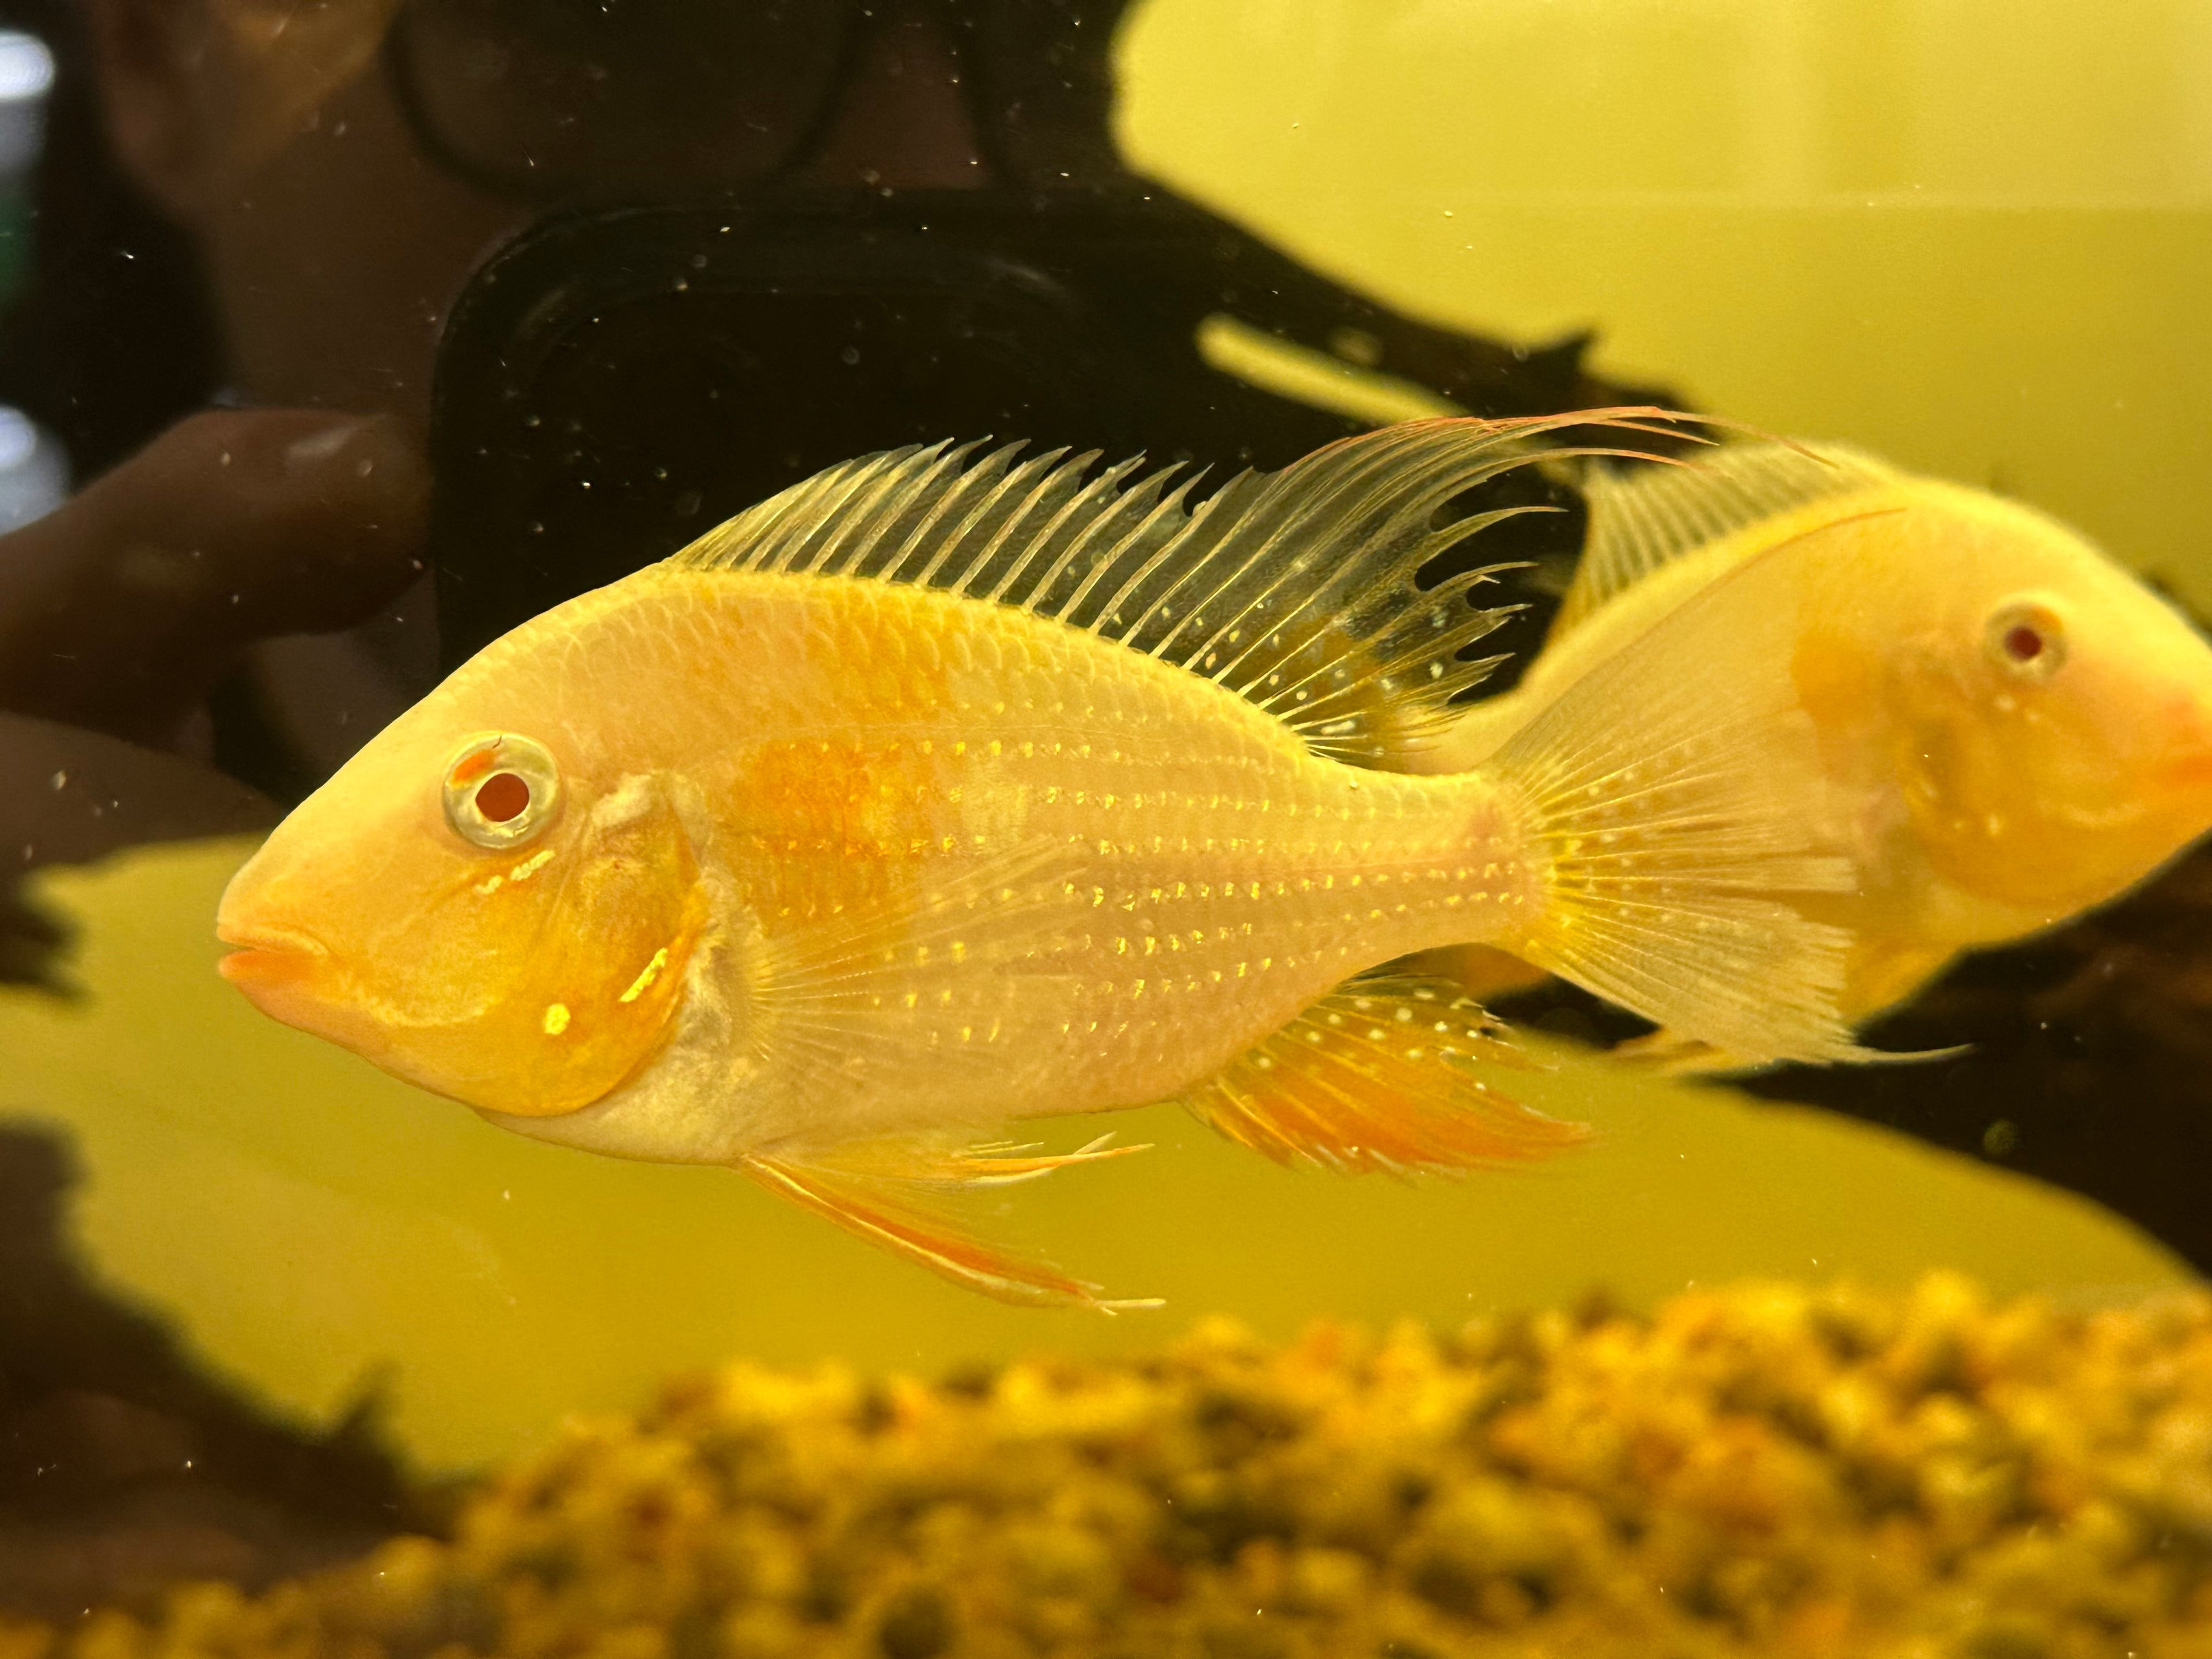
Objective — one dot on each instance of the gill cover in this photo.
(599, 959)
(473, 919)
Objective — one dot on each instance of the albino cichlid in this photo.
(2012, 729)
(947, 788)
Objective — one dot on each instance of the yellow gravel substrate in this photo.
(1770, 1469)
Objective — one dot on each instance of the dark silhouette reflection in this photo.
(68, 796)
(2090, 1064)
(122, 1468)
(610, 385)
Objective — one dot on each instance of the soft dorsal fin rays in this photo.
(1296, 589)
(1644, 517)
(1381, 1075)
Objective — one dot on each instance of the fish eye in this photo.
(500, 789)
(2026, 638)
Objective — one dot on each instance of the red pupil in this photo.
(2024, 643)
(503, 796)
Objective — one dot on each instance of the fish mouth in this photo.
(2188, 769)
(267, 957)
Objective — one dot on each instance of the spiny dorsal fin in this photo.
(1644, 517)
(1296, 589)
(1380, 1075)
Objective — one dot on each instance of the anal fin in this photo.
(1380, 1075)
(901, 1196)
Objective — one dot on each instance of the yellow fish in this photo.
(947, 788)
(2012, 729)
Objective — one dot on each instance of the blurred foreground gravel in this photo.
(1770, 1469)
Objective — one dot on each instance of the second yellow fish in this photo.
(2013, 728)
(950, 787)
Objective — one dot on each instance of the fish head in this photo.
(499, 914)
(2051, 720)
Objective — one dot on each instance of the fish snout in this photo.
(281, 967)
(258, 918)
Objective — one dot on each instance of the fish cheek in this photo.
(1948, 771)
(598, 998)
(1987, 774)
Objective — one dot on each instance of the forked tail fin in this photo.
(1674, 799)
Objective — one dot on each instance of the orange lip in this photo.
(2190, 770)
(266, 957)
(258, 967)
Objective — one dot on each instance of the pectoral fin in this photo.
(1380, 1076)
(922, 972)
(903, 1196)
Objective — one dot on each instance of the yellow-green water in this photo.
(1973, 235)
(313, 1225)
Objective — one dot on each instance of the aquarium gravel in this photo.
(1768, 1469)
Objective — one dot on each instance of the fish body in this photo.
(942, 791)
(1183, 874)
(2012, 729)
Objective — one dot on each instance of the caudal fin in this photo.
(1675, 802)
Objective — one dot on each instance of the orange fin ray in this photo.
(1003, 1166)
(1669, 1054)
(1380, 1076)
(893, 1196)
